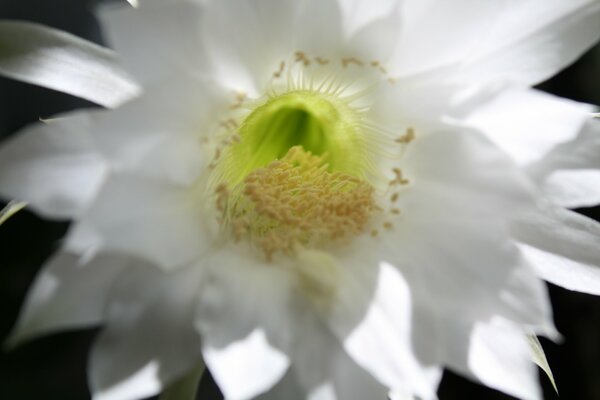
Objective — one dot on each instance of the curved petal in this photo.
(564, 272)
(569, 175)
(437, 33)
(528, 124)
(158, 39)
(245, 319)
(563, 246)
(160, 134)
(323, 368)
(69, 293)
(463, 171)
(489, 360)
(149, 339)
(370, 314)
(52, 166)
(232, 46)
(155, 220)
(57, 60)
(573, 188)
(532, 40)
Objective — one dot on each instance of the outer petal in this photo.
(370, 312)
(574, 188)
(528, 124)
(69, 293)
(258, 300)
(160, 134)
(570, 174)
(52, 166)
(149, 339)
(523, 42)
(563, 246)
(500, 357)
(158, 40)
(245, 317)
(464, 172)
(322, 367)
(436, 33)
(232, 46)
(529, 41)
(58, 60)
(562, 271)
(159, 221)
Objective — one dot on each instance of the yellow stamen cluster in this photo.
(296, 201)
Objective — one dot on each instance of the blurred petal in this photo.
(139, 135)
(58, 60)
(370, 314)
(245, 318)
(52, 166)
(529, 41)
(564, 272)
(149, 218)
(500, 357)
(528, 124)
(573, 188)
(569, 175)
(69, 293)
(149, 339)
(157, 40)
(563, 247)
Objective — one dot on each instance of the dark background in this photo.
(53, 367)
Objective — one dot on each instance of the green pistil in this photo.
(321, 124)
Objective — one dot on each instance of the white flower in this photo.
(414, 207)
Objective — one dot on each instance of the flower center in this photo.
(321, 124)
(296, 176)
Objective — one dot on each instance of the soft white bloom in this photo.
(421, 246)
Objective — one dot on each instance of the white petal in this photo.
(370, 314)
(529, 41)
(52, 166)
(527, 297)
(149, 339)
(324, 369)
(246, 319)
(568, 247)
(231, 30)
(247, 367)
(560, 231)
(357, 13)
(562, 271)
(58, 60)
(158, 40)
(160, 133)
(500, 357)
(462, 171)
(68, 294)
(573, 188)
(527, 124)
(155, 220)
(523, 42)
(438, 33)
(569, 175)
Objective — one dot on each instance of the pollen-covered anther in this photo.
(302, 57)
(296, 201)
(279, 72)
(408, 137)
(399, 178)
(352, 60)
